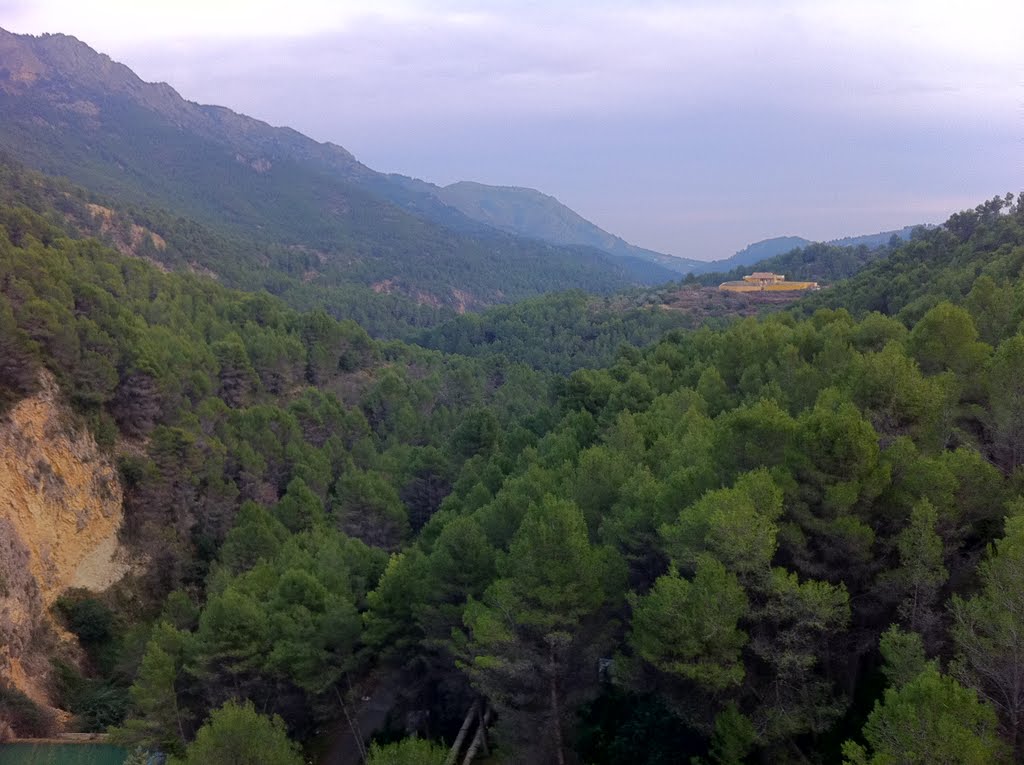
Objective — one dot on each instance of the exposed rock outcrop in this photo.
(60, 511)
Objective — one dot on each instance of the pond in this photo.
(61, 754)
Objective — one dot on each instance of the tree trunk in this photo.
(556, 709)
(177, 714)
(478, 740)
(356, 733)
(463, 731)
(483, 726)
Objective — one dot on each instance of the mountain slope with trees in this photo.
(144, 146)
(215, 402)
(969, 260)
(529, 212)
(792, 538)
(791, 255)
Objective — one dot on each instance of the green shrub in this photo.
(24, 716)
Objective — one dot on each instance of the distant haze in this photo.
(692, 128)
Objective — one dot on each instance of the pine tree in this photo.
(237, 734)
(930, 719)
(532, 635)
(688, 627)
(988, 631)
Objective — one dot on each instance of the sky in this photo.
(692, 128)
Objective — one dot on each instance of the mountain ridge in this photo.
(530, 212)
(767, 249)
(129, 139)
(75, 113)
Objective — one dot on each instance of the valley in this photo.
(301, 461)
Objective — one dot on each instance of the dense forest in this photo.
(794, 538)
(557, 333)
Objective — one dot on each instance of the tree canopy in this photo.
(745, 540)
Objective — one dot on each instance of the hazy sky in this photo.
(689, 127)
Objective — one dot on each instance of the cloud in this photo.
(580, 55)
(116, 21)
(606, 59)
(684, 125)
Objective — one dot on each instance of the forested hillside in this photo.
(817, 262)
(531, 213)
(968, 260)
(741, 518)
(792, 539)
(216, 403)
(177, 243)
(555, 333)
(803, 259)
(316, 214)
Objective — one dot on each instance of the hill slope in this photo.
(975, 258)
(70, 111)
(758, 253)
(805, 488)
(73, 112)
(531, 213)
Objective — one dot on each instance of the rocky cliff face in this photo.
(60, 510)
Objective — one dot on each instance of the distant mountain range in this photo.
(303, 219)
(531, 213)
(780, 245)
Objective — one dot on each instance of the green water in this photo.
(61, 754)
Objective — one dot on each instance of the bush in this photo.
(98, 704)
(21, 716)
(239, 735)
(89, 619)
(410, 751)
(92, 622)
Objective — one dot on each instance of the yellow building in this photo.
(765, 281)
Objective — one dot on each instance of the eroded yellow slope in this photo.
(60, 510)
